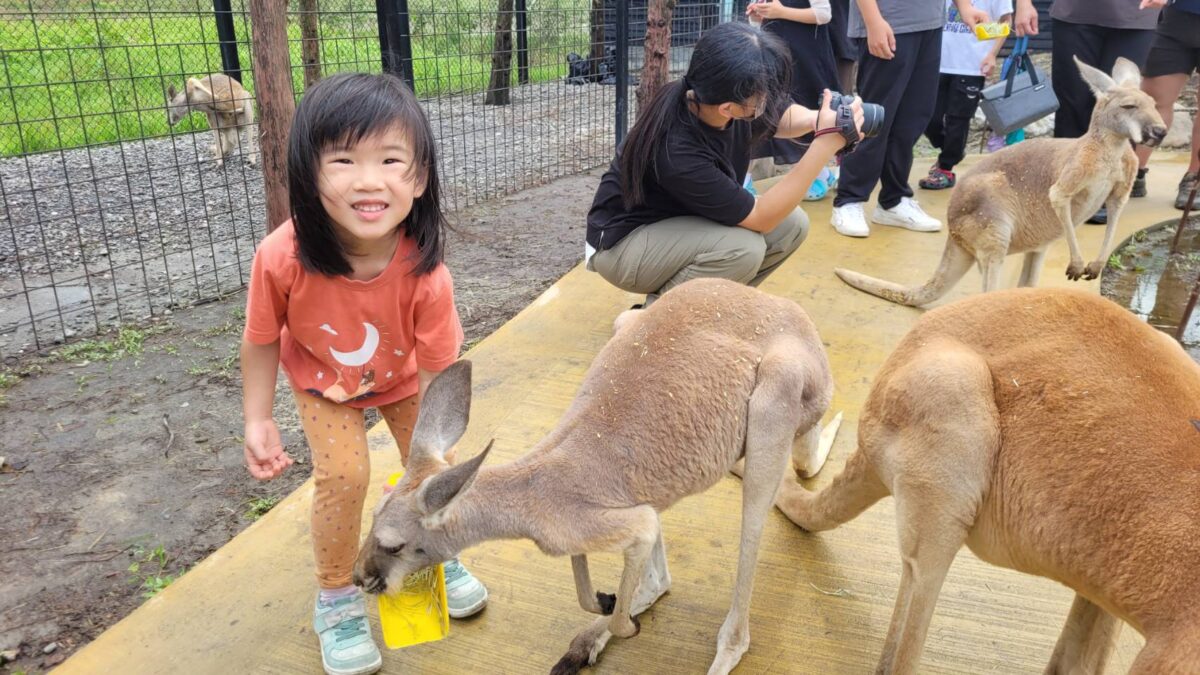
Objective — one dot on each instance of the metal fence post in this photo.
(522, 42)
(227, 38)
(622, 74)
(395, 39)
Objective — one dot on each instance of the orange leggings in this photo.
(337, 437)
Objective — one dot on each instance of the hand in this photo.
(988, 65)
(766, 9)
(881, 41)
(1152, 4)
(973, 16)
(265, 456)
(1026, 19)
(829, 115)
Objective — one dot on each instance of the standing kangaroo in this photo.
(1054, 433)
(228, 108)
(713, 372)
(1024, 197)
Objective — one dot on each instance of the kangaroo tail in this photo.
(955, 263)
(851, 493)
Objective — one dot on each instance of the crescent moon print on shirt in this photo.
(357, 351)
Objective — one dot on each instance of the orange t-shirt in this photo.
(354, 342)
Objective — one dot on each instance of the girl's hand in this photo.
(972, 16)
(766, 9)
(988, 66)
(265, 456)
(827, 117)
(881, 41)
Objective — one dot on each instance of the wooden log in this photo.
(276, 105)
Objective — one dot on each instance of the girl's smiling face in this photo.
(368, 188)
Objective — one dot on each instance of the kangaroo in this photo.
(713, 372)
(1024, 197)
(992, 425)
(228, 108)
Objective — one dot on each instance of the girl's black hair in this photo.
(338, 112)
(732, 62)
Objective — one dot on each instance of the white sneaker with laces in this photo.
(849, 220)
(907, 214)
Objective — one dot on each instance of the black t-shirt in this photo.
(698, 171)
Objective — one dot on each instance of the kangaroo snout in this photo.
(1153, 135)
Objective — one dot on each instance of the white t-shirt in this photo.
(962, 52)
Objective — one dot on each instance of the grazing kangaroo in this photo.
(1054, 433)
(712, 372)
(1024, 197)
(228, 108)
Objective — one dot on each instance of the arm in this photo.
(1027, 18)
(970, 14)
(424, 377)
(989, 62)
(264, 453)
(819, 14)
(881, 41)
(796, 121)
(782, 198)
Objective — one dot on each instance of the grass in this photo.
(84, 77)
(128, 341)
(258, 507)
(149, 570)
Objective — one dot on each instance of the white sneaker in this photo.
(849, 220)
(907, 214)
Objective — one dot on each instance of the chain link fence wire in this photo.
(111, 215)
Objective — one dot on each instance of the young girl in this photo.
(352, 298)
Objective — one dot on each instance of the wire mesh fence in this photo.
(116, 205)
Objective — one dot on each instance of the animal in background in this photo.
(713, 372)
(1024, 197)
(228, 107)
(1054, 433)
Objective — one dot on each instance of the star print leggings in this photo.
(337, 437)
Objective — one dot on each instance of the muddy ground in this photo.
(123, 455)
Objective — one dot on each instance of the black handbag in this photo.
(1023, 96)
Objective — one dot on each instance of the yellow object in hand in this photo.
(991, 31)
(417, 612)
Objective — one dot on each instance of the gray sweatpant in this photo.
(656, 257)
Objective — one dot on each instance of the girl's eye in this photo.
(393, 160)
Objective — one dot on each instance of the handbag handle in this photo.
(1026, 64)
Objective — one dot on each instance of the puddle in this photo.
(1155, 285)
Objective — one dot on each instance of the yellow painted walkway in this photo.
(822, 602)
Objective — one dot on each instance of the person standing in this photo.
(1174, 56)
(900, 47)
(967, 61)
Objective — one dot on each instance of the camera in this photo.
(872, 114)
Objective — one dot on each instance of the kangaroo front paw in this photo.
(624, 626)
(1075, 270)
(1093, 269)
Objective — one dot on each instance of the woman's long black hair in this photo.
(732, 62)
(338, 112)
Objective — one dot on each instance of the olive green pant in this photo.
(656, 257)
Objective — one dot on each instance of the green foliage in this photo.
(149, 570)
(75, 77)
(1114, 262)
(258, 507)
(128, 341)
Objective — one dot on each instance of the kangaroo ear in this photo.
(1095, 78)
(444, 412)
(440, 490)
(1126, 73)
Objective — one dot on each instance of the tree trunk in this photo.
(655, 67)
(273, 89)
(596, 55)
(502, 51)
(310, 42)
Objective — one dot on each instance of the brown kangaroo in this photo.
(1024, 197)
(228, 107)
(713, 372)
(1054, 433)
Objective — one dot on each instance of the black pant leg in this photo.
(1075, 100)
(1131, 44)
(918, 94)
(879, 81)
(934, 131)
(961, 103)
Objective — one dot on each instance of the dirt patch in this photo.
(123, 454)
(1143, 275)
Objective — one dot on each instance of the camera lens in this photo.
(872, 119)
